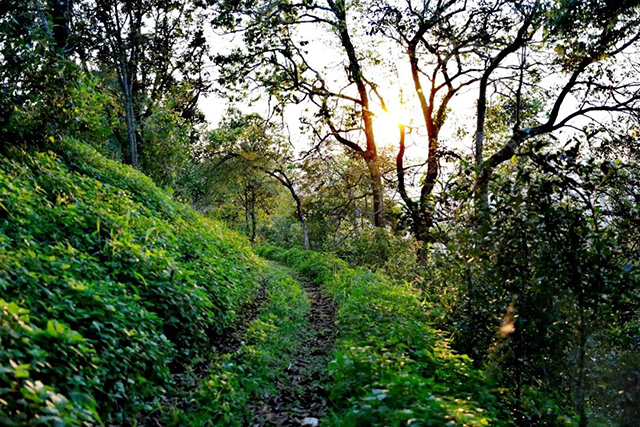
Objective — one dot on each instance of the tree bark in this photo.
(252, 205)
(580, 387)
(130, 118)
(377, 192)
(370, 155)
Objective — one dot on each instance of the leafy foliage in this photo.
(237, 380)
(543, 287)
(122, 285)
(389, 364)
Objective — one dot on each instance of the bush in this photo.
(379, 249)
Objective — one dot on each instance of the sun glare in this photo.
(386, 126)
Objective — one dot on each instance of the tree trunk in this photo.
(305, 232)
(253, 217)
(377, 192)
(370, 155)
(421, 220)
(580, 392)
(60, 18)
(284, 179)
(484, 171)
(130, 118)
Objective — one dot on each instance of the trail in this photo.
(228, 341)
(301, 399)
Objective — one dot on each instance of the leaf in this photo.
(21, 371)
(55, 328)
(13, 308)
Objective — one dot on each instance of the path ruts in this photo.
(229, 340)
(301, 399)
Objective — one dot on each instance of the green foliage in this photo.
(389, 365)
(229, 180)
(70, 102)
(123, 286)
(281, 230)
(25, 351)
(238, 380)
(542, 287)
(379, 249)
(167, 145)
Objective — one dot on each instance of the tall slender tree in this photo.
(157, 48)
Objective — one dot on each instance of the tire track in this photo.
(301, 398)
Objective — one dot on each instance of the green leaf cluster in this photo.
(110, 288)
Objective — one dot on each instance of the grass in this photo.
(389, 366)
(239, 380)
(109, 288)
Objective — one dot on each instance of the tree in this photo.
(501, 49)
(153, 62)
(580, 43)
(247, 151)
(439, 41)
(282, 64)
(44, 93)
(548, 304)
(284, 177)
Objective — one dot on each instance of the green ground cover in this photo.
(390, 367)
(237, 381)
(108, 288)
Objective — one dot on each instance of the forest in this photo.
(320, 213)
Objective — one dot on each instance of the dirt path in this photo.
(226, 342)
(301, 399)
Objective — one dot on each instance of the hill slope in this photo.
(107, 287)
(121, 306)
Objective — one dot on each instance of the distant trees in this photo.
(246, 155)
(159, 53)
(275, 58)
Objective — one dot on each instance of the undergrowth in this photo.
(390, 367)
(237, 381)
(108, 288)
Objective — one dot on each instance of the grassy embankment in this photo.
(111, 293)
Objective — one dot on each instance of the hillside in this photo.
(108, 288)
(123, 306)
